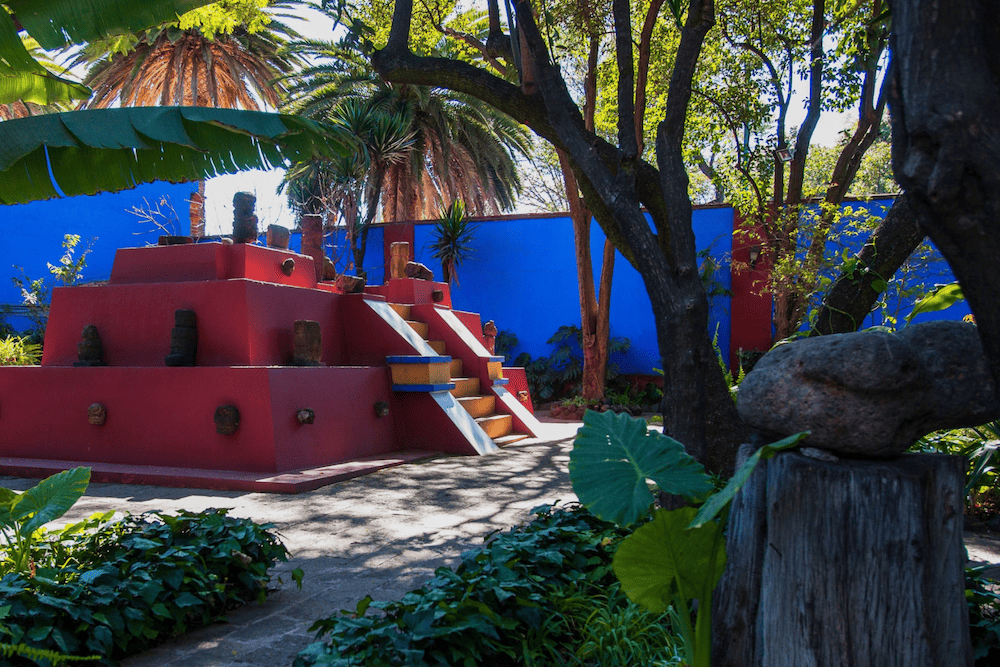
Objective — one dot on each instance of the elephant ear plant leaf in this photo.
(614, 455)
(22, 514)
(678, 556)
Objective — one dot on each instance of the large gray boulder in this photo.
(873, 392)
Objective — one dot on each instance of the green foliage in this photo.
(19, 351)
(613, 456)
(23, 514)
(983, 599)
(981, 447)
(113, 589)
(560, 373)
(943, 296)
(37, 292)
(451, 242)
(680, 555)
(530, 596)
(505, 344)
(140, 145)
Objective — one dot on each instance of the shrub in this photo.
(19, 351)
(529, 596)
(113, 589)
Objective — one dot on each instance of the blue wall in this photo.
(523, 277)
(33, 233)
(522, 274)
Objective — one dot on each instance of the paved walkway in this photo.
(380, 535)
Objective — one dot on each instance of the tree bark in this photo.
(945, 110)
(851, 298)
(848, 562)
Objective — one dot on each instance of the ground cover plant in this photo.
(106, 587)
(541, 593)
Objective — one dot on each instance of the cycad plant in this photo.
(453, 237)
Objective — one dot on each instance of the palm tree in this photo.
(461, 148)
(234, 69)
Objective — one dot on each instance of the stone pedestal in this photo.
(845, 562)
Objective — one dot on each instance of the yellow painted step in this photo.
(465, 387)
(456, 368)
(479, 406)
(419, 327)
(437, 345)
(509, 439)
(402, 309)
(496, 426)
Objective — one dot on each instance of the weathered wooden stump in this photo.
(845, 562)
(312, 241)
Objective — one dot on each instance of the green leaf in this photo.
(297, 575)
(115, 149)
(715, 504)
(664, 558)
(50, 499)
(942, 297)
(880, 285)
(59, 23)
(24, 78)
(613, 456)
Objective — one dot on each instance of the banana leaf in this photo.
(106, 150)
(59, 23)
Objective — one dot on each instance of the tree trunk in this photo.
(850, 299)
(847, 562)
(945, 110)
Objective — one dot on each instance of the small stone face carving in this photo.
(227, 419)
(277, 237)
(306, 416)
(288, 266)
(437, 296)
(308, 343)
(418, 271)
(244, 220)
(89, 350)
(381, 409)
(350, 284)
(522, 395)
(183, 339)
(490, 336)
(97, 414)
(872, 393)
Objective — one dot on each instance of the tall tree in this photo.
(945, 106)
(616, 184)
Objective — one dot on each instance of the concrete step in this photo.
(465, 387)
(437, 345)
(419, 327)
(479, 406)
(509, 439)
(402, 309)
(496, 426)
(456, 368)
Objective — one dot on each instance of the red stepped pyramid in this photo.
(400, 376)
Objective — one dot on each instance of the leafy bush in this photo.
(559, 374)
(981, 446)
(113, 589)
(530, 596)
(984, 617)
(19, 351)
